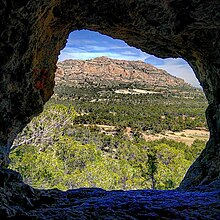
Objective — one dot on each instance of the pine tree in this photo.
(152, 166)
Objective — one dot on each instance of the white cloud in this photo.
(92, 51)
(176, 67)
(179, 68)
(80, 54)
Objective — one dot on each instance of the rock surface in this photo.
(103, 71)
(20, 201)
(33, 32)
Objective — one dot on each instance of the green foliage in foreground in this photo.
(55, 158)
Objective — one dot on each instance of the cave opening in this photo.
(32, 35)
(117, 133)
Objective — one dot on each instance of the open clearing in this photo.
(186, 136)
(135, 91)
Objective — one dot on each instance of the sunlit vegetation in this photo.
(171, 109)
(65, 148)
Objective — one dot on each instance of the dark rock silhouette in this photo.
(20, 201)
(33, 32)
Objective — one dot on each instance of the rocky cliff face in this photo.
(32, 33)
(103, 71)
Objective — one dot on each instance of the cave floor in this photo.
(20, 201)
(138, 204)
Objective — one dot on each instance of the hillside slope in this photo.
(103, 71)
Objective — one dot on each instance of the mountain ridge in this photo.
(105, 71)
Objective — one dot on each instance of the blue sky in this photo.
(86, 44)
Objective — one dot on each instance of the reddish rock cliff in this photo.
(105, 71)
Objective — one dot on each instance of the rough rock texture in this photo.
(33, 32)
(103, 71)
(20, 201)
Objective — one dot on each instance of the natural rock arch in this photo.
(33, 33)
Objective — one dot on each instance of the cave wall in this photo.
(33, 33)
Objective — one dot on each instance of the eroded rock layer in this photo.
(33, 32)
(103, 71)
